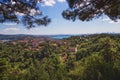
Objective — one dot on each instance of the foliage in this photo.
(25, 11)
(28, 11)
(97, 58)
(86, 10)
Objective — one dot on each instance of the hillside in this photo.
(86, 57)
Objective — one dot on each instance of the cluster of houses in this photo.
(36, 44)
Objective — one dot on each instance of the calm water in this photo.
(60, 36)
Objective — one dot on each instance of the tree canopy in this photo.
(25, 11)
(35, 58)
(86, 10)
(28, 11)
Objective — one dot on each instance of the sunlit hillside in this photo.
(85, 57)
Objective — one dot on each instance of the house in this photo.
(73, 49)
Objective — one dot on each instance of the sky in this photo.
(54, 8)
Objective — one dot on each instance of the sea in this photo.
(60, 36)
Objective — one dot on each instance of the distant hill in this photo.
(60, 36)
(23, 36)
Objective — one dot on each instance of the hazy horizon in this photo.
(61, 34)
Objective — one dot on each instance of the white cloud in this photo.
(32, 12)
(9, 23)
(113, 22)
(106, 19)
(20, 14)
(51, 2)
(110, 21)
(13, 2)
(10, 30)
(48, 2)
(61, 0)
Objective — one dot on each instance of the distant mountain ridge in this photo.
(10, 37)
(57, 36)
(23, 36)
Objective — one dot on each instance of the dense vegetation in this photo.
(97, 58)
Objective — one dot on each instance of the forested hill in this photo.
(59, 36)
(25, 36)
(86, 57)
(16, 37)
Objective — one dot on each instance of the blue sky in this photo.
(54, 8)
